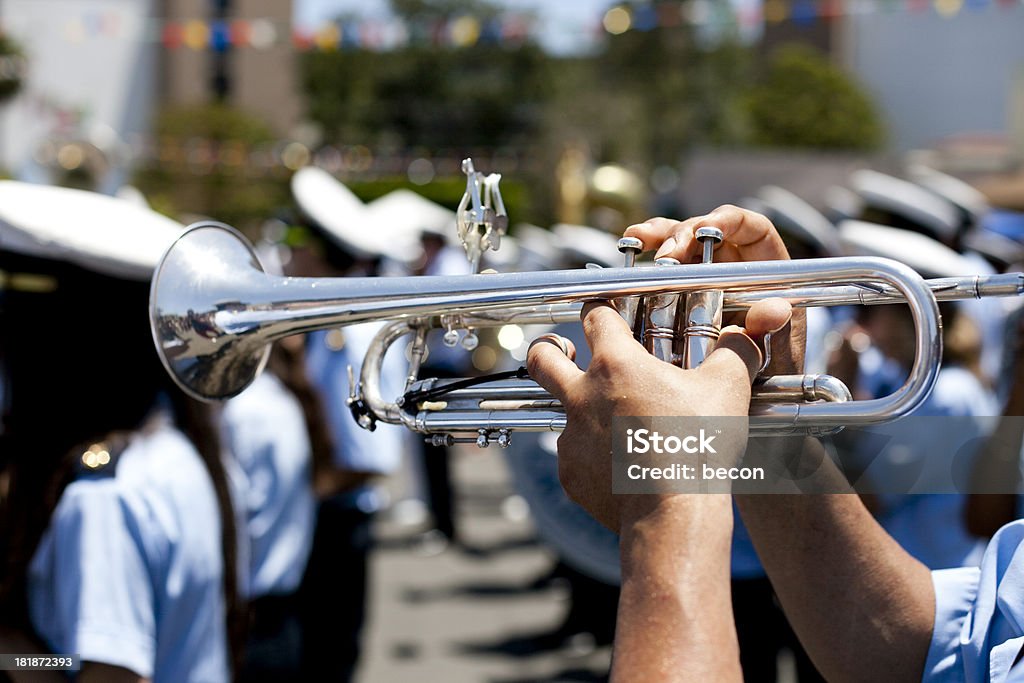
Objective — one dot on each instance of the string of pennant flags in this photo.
(263, 33)
(382, 34)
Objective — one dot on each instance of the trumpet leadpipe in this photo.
(944, 289)
(870, 294)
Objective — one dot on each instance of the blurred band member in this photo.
(270, 428)
(442, 361)
(335, 243)
(117, 533)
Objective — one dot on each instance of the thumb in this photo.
(736, 357)
(550, 367)
(767, 315)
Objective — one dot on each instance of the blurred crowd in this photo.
(168, 539)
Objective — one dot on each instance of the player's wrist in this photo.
(679, 515)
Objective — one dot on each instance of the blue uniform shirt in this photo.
(130, 570)
(979, 615)
(931, 526)
(357, 449)
(989, 314)
(453, 359)
(928, 526)
(265, 430)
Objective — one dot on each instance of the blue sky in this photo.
(565, 25)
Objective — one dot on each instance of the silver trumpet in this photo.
(214, 312)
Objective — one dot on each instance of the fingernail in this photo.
(666, 248)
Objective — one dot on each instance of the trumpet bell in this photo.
(199, 278)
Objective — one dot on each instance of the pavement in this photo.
(471, 612)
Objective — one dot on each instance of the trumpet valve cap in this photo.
(470, 341)
(709, 233)
(667, 261)
(630, 247)
(504, 439)
(709, 237)
(451, 338)
(483, 439)
(627, 244)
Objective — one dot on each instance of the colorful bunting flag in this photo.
(376, 33)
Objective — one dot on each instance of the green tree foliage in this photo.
(663, 93)
(12, 67)
(429, 11)
(213, 160)
(645, 99)
(427, 96)
(805, 101)
(442, 100)
(217, 123)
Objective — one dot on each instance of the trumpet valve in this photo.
(708, 237)
(627, 306)
(660, 320)
(702, 325)
(701, 317)
(630, 248)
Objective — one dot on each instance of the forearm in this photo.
(861, 605)
(675, 618)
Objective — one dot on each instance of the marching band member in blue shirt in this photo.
(340, 240)
(266, 431)
(117, 534)
(862, 606)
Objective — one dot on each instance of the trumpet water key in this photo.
(214, 312)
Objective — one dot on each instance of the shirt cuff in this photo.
(956, 591)
(134, 652)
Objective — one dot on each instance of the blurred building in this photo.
(936, 76)
(714, 177)
(262, 82)
(89, 78)
(98, 69)
(935, 68)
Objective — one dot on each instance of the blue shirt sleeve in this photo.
(266, 431)
(955, 593)
(357, 449)
(91, 593)
(979, 615)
